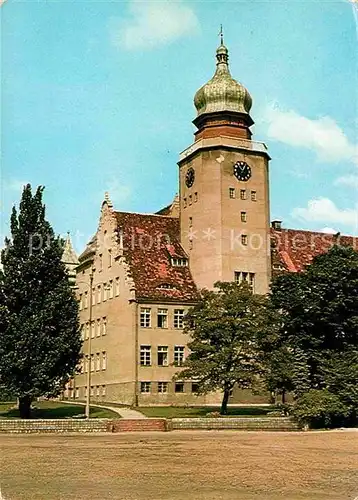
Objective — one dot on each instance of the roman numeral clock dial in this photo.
(242, 171)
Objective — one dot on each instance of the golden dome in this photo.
(222, 92)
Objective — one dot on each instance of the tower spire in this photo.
(221, 33)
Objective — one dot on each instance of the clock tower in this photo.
(224, 187)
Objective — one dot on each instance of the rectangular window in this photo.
(93, 296)
(253, 196)
(145, 317)
(80, 301)
(232, 193)
(92, 330)
(77, 393)
(190, 221)
(162, 318)
(97, 390)
(144, 387)
(162, 355)
(104, 326)
(117, 287)
(92, 362)
(87, 330)
(178, 318)
(179, 387)
(86, 391)
(98, 362)
(105, 291)
(98, 329)
(109, 258)
(194, 387)
(178, 355)
(100, 262)
(245, 277)
(104, 360)
(98, 294)
(83, 332)
(252, 281)
(243, 217)
(190, 199)
(103, 390)
(184, 202)
(244, 239)
(86, 300)
(86, 364)
(195, 197)
(111, 289)
(92, 390)
(242, 194)
(162, 387)
(145, 355)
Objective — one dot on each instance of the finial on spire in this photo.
(107, 200)
(221, 33)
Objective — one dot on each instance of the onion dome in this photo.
(222, 92)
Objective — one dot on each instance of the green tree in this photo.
(39, 331)
(224, 328)
(319, 312)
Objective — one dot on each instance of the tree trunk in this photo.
(25, 407)
(283, 396)
(223, 410)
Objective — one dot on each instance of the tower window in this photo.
(195, 197)
(232, 193)
(184, 202)
(243, 217)
(190, 221)
(253, 196)
(242, 194)
(244, 239)
(190, 199)
(245, 277)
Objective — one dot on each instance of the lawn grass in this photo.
(201, 465)
(55, 409)
(202, 411)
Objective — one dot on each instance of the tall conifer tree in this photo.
(39, 331)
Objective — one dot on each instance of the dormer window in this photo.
(179, 262)
(166, 286)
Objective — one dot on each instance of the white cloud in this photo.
(328, 230)
(348, 181)
(15, 185)
(322, 136)
(324, 210)
(154, 23)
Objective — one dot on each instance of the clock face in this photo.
(242, 171)
(190, 177)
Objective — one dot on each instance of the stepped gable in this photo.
(292, 249)
(150, 243)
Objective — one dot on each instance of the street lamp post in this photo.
(88, 395)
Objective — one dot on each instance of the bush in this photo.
(320, 408)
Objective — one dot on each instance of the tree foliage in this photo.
(39, 331)
(224, 328)
(319, 313)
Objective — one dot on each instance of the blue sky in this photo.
(98, 96)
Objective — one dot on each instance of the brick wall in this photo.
(144, 424)
(259, 424)
(54, 425)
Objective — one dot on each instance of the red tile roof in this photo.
(292, 249)
(149, 243)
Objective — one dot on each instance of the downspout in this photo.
(136, 355)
